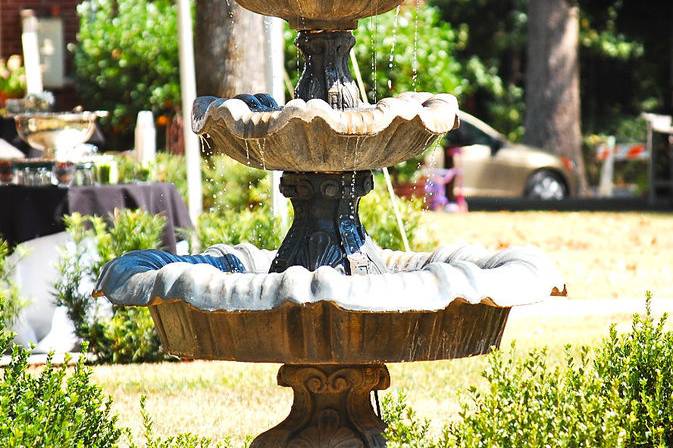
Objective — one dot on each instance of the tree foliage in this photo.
(625, 58)
(126, 58)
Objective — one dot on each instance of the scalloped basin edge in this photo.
(324, 333)
(313, 137)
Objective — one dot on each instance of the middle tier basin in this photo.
(312, 137)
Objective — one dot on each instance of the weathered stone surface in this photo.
(326, 230)
(320, 14)
(414, 282)
(313, 137)
(331, 408)
(324, 333)
(326, 75)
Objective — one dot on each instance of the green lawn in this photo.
(602, 255)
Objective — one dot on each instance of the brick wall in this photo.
(10, 21)
(10, 35)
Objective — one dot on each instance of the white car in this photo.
(493, 166)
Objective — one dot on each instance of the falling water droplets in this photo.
(261, 145)
(373, 32)
(231, 10)
(432, 162)
(356, 153)
(203, 138)
(414, 64)
(247, 152)
(391, 56)
(297, 62)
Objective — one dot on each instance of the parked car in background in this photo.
(493, 166)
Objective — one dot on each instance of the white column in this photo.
(273, 48)
(31, 52)
(605, 185)
(188, 90)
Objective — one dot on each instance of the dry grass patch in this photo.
(600, 254)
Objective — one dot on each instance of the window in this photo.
(467, 135)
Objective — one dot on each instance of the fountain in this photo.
(56, 133)
(330, 305)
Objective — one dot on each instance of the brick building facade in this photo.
(10, 34)
(10, 20)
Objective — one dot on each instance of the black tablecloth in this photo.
(31, 212)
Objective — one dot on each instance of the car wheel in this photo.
(546, 185)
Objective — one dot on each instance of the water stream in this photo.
(386, 174)
(391, 58)
(414, 63)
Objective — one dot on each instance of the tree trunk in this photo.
(671, 65)
(229, 49)
(552, 80)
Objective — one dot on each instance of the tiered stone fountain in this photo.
(329, 304)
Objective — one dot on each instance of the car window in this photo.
(467, 135)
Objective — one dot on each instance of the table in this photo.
(31, 212)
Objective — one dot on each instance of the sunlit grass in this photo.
(600, 254)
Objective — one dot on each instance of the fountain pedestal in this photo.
(326, 74)
(326, 230)
(331, 408)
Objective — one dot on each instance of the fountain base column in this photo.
(332, 408)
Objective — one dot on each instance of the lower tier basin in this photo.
(333, 332)
(324, 333)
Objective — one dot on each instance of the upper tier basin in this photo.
(313, 137)
(320, 14)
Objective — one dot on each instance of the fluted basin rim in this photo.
(421, 282)
(437, 113)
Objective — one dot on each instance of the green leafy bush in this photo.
(404, 427)
(236, 198)
(617, 395)
(529, 403)
(378, 217)
(257, 226)
(231, 186)
(10, 302)
(128, 335)
(126, 58)
(638, 367)
(12, 78)
(55, 407)
(227, 185)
